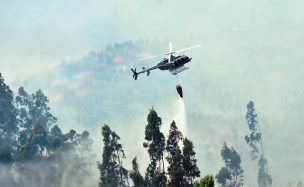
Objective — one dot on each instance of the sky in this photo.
(251, 50)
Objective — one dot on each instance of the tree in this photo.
(84, 147)
(233, 164)
(36, 144)
(255, 139)
(159, 179)
(137, 178)
(28, 133)
(255, 136)
(5, 153)
(33, 109)
(223, 177)
(207, 181)
(55, 138)
(25, 105)
(175, 158)
(8, 120)
(119, 155)
(112, 173)
(264, 178)
(189, 162)
(155, 143)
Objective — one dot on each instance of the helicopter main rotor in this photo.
(171, 52)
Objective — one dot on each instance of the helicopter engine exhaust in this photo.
(179, 90)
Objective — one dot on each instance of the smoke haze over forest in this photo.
(80, 54)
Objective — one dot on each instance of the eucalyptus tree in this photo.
(155, 144)
(254, 140)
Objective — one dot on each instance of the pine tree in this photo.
(155, 143)
(189, 163)
(137, 178)
(175, 158)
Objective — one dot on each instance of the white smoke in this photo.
(69, 170)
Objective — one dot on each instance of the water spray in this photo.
(181, 116)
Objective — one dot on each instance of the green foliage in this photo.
(155, 139)
(175, 158)
(223, 176)
(176, 171)
(8, 120)
(207, 181)
(159, 179)
(175, 136)
(55, 138)
(36, 144)
(28, 134)
(33, 109)
(112, 173)
(5, 154)
(232, 172)
(255, 136)
(137, 178)
(232, 160)
(189, 163)
(155, 143)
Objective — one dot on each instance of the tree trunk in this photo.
(120, 165)
(163, 163)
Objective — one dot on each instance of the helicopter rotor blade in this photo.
(150, 57)
(170, 52)
(186, 49)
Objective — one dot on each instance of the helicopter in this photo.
(175, 64)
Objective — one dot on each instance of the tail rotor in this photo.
(135, 74)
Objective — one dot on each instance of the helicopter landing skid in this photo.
(178, 70)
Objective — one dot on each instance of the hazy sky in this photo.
(252, 50)
(42, 33)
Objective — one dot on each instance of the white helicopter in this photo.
(175, 64)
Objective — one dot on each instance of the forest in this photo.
(35, 152)
(71, 115)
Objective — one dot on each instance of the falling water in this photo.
(181, 116)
